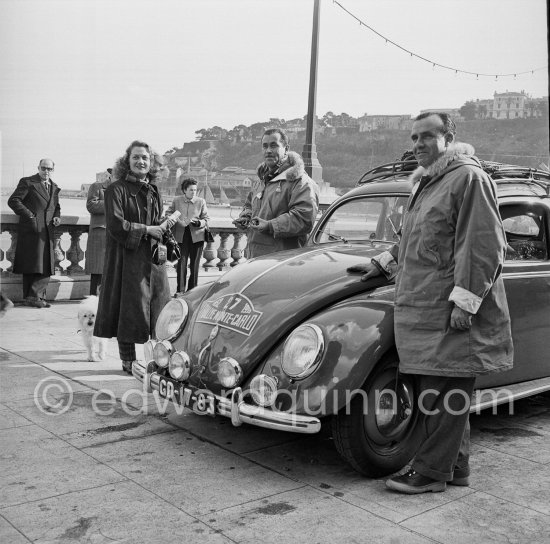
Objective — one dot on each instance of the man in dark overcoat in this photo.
(95, 249)
(36, 202)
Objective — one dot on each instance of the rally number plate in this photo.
(200, 401)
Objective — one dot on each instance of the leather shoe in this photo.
(413, 483)
(34, 302)
(461, 476)
(127, 366)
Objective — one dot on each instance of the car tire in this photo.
(378, 445)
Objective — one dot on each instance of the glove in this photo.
(195, 223)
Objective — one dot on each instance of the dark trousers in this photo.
(95, 283)
(127, 351)
(446, 426)
(190, 253)
(35, 285)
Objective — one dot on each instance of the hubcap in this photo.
(389, 409)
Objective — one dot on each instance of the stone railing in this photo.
(70, 241)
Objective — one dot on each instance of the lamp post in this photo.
(312, 165)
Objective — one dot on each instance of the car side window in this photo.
(364, 219)
(525, 230)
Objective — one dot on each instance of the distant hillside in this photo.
(346, 156)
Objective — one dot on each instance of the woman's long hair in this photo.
(122, 165)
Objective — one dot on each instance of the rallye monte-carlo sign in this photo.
(234, 312)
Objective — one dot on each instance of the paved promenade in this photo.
(85, 457)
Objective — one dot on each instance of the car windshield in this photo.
(363, 219)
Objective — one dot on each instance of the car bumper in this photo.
(236, 409)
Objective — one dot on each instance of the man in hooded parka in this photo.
(282, 205)
(451, 315)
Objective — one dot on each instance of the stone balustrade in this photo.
(70, 240)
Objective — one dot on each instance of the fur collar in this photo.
(455, 151)
(293, 168)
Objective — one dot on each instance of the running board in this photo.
(486, 398)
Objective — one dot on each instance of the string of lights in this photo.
(433, 63)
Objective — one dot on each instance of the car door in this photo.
(526, 277)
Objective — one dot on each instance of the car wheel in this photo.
(377, 433)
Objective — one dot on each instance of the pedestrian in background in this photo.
(36, 202)
(281, 208)
(134, 288)
(451, 315)
(189, 232)
(95, 248)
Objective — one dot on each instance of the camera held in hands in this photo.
(241, 222)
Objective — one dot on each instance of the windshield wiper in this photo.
(336, 237)
(395, 233)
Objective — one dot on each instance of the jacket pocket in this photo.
(429, 251)
(29, 224)
(434, 249)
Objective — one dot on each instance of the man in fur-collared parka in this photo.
(451, 316)
(282, 205)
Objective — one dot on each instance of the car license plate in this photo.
(200, 400)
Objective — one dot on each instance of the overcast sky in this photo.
(80, 79)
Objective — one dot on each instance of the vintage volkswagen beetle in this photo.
(290, 339)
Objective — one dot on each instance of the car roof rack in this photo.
(501, 173)
(387, 170)
(504, 174)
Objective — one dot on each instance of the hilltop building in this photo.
(510, 105)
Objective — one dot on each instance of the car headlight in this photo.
(303, 351)
(172, 319)
(148, 350)
(162, 352)
(179, 366)
(263, 390)
(229, 372)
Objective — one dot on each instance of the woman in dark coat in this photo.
(134, 289)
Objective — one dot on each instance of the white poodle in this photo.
(87, 311)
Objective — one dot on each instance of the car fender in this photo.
(357, 333)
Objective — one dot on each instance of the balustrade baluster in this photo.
(57, 251)
(10, 253)
(209, 253)
(224, 253)
(237, 251)
(75, 253)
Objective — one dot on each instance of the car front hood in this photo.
(246, 312)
